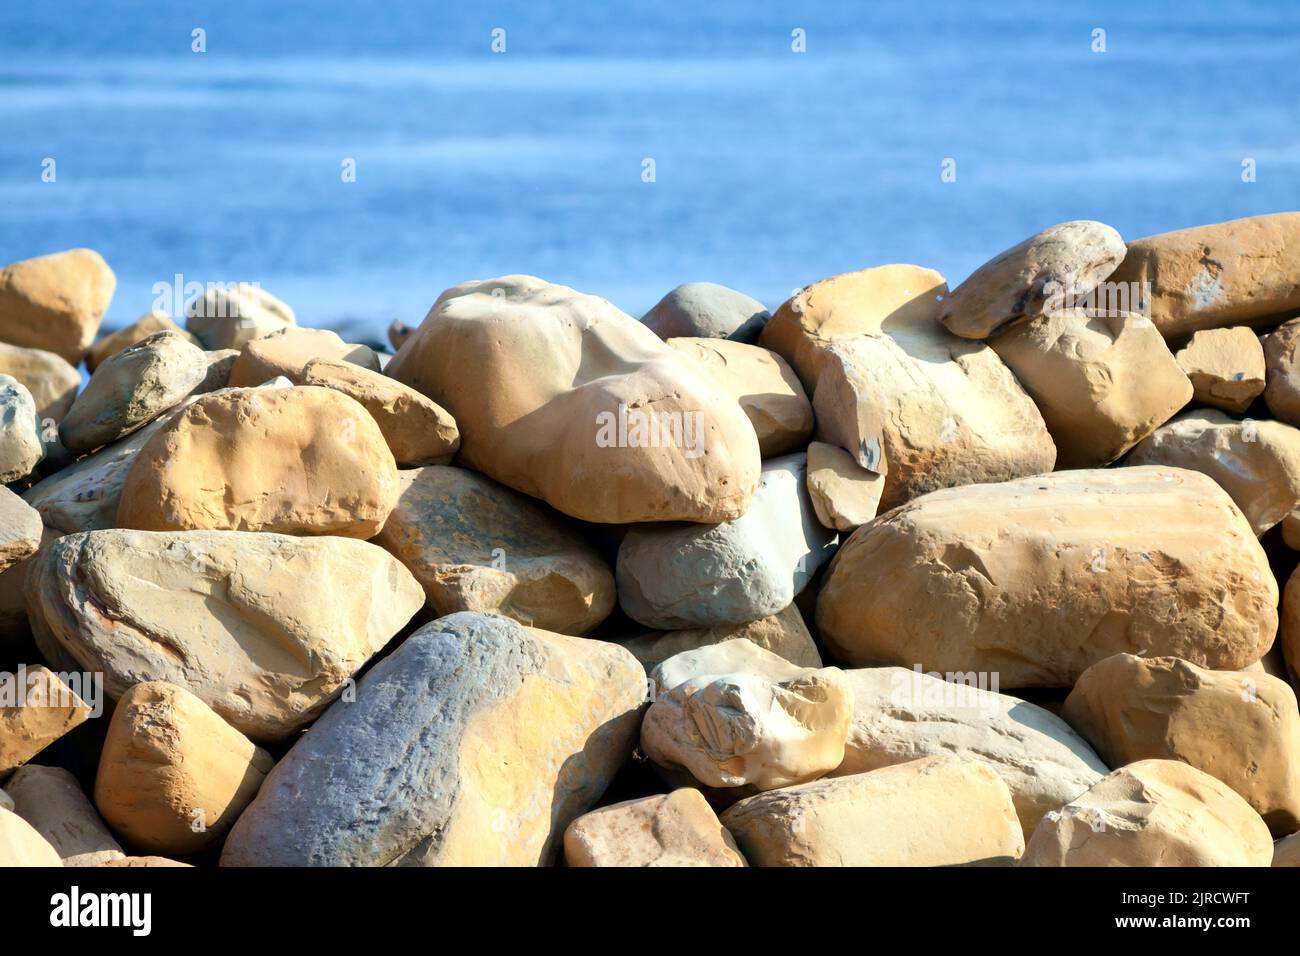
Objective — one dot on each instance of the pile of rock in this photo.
(894, 575)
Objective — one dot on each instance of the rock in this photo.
(475, 545)
(50, 799)
(398, 333)
(288, 351)
(937, 811)
(20, 529)
(55, 302)
(1039, 578)
(139, 330)
(229, 317)
(131, 389)
(1241, 272)
(1256, 462)
(844, 495)
(1060, 266)
(418, 432)
(6, 801)
(174, 776)
(671, 829)
(1286, 852)
(563, 397)
(15, 632)
(783, 633)
(901, 715)
(1226, 367)
(302, 460)
(1291, 530)
(708, 311)
(1152, 813)
(21, 447)
(765, 386)
(1282, 372)
(224, 614)
(52, 382)
(515, 733)
(735, 715)
(145, 861)
(220, 365)
(21, 845)
(36, 709)
(1289, 635)
(1240, 727)
(681, 576)
(1102, 382)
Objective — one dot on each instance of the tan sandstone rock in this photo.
(51, 380)
(137, 331)
(1289, 635)
(1256, 462)
(131, 862)
(229, 317)
(1242, 728)
(51, 800)
(21, 845)
(1282, 371)
(1153, 813)
(173, 776)
(287, 352)
(36, 709)
(1242, 272)
(55, 302)
(562, 396)
(1286, 851)
(1102, 382)
(301, 460)
(673, 829)
(784, 634)
(1039, 578)
(937, 811)
(844, 495)
(1226, 367)
(20, 529)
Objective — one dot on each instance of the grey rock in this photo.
(21, 448)
(708, 311)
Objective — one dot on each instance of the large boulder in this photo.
(51, 800)
(303, 460)
(1039, 578)
(937, 811)
(1242, 272)
(55, 302)
(1256, 462)
(476, 545)
(36, 709)
(901, 715)
(562, 396)
(1152, 813)
(514, 733)
(22, 845)
(1226, 367)
(1103, 382)
(707, 310)
(231, 316)
(287, 351)
(51, 380)
(784, 634)
(1241, 727)
(1061, 265)
(21, 444)
(224, 614)
(671, 829)
(682, 576)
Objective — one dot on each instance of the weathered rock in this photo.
(1240, 727)
(681, 576)
(1059, 266)
(1152, 813)
(1291, 530)
(50, 799)
(55, 302)
(783, 633)
(1282, 372)
(937, 811)
(131, 389)
(672, 829)
(229, 317)
(765, 386)
(225, 614)
(1289, 635)
(901, 715)
(288, 351)
(562, 396)
(1103, 382)
(220, 365)
(1226, 367)
(36, 709)
(398, 333)
(52, 382)
(418, 431)
(1242, 272)
(6, 801)
(302, 460)
(475, 545)
(515, 732)
(145, 861)
(709, 311)
(735, 715)
(1039, 578)
(173, 776)
(20, 529)
(1286, 851)
(14, 628)
(139, 330)
(844, 495)
(21, 845)
(21, 447)
(1256, 462)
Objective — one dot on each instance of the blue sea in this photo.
(771, 167)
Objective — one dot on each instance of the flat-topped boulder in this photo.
(1226, 367)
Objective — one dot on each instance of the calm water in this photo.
(772, 168)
